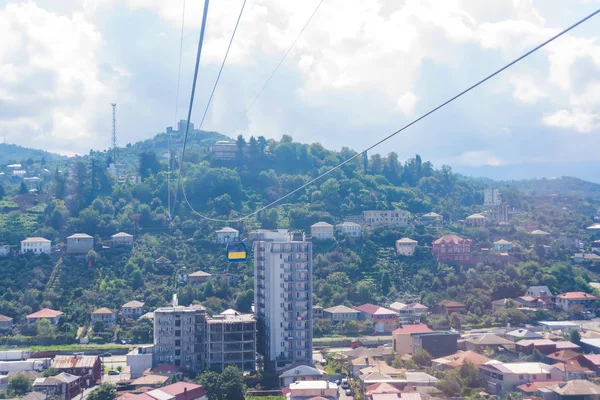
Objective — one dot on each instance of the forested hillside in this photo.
(85, 198)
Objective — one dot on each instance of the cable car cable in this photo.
(423, 116)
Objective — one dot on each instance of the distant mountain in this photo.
(198, 141)
(12, 153)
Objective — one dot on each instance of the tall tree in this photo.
(23, 188)
(19, 385)
(149, 164)
(262, 144)
(106, 391)
(232, 384)
(253, 143)
(241, 144)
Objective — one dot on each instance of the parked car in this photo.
(113, 372)
(348, 392)
(387, 345)
(345, 384)
(105, 355)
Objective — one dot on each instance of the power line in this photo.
(278, 65)
(189, 115)
(411, 123)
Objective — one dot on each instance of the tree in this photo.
(51, 372)
(232, 384)
(262, 144)
(211, 381)
(422, 358)
(149, 164)
(2, 192)
(241, 144)
(23, 188)
(574, 336)
(106, 391)
(45, 328)
(19, 385)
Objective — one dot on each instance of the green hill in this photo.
(12, 153)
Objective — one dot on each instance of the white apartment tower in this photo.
(283, 299)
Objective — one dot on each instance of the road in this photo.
(343, 395)
(113, 363)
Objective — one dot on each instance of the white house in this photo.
(386, 218)
(122, 238)
(300, 373)
(321, 230)
(79, 243)
(37, 245)
(227, 234)
(406, 246)
(350, 229)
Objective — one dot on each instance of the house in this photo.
(539, 233)
(300, 373)
(520, 334)
(106, 316)
(199, 277)
(594, 229)
(341, 314)
(505, 377)
(377, 353)
(402, 337)
(176, 391)
(575, 301)
(4, 250)
(45, 313)
(575, 368)
(591, 345)
(383, 320)
(225, 150)
(596, 246)
(458, 359)
(227, 234)
(431, 219)
(409, 313)
(581, 258)
(564, 326)
(6, 323)
(535, 388)
(162, 260)
(576, 389)
(451, 248)
(386, 218)
(79, 243)
(380, 388)
(502, 246)
(592, 361)
(36, 245)
(540, 293)
(438, 344)
(139, 360)
(382, 367)
(86, 367)
(150, 380)
(544, 346)
(349, 229)
(171, 371)
(488, 341)
(321, 230)
(475, 220)
(450, 306)
(133, 309)
(122, 239)
(313, 390)
(63, 386)
(528, 301)
(406, 246)
(318, 312)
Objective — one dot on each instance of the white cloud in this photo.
(526, 91)
(578, 120)
(406, 103)
(478, 158)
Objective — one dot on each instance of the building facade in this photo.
(572, 300)
(452, 248)
(438, 344)
(322, 231)
(122, 238)
(227, 234)
(349, 229)
(79, 243)
(36, 245)
(386, 218)
(283, 299)
(406, 247)
(6, 323)
(86, 367)
(502, 246)
(341, 314)
(106, 316)
(229, 339)
(133, 309)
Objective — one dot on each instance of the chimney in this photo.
(367, 361)
(185, 392)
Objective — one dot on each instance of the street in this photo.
(112, 364)
(343, 395)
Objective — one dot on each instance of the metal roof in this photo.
(67, 362)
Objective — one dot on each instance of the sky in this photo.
(361, 70)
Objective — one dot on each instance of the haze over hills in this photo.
(15, 153)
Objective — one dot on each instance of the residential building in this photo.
(522, 334)
(106, 316)
(139, 360)
(4, 250)
(132, 309)
(270, 235)
(349, 229)
(458, 359)
(451, 248)
(402, 337)
(321, 231)
(379, 353)
(300, 373)
(544, 346)
(283, 299)
(409, 313)
(313, 389)
(581, 258)
(577, 389)
(489, 341)
(6, 323)
(176, 331)
(162, 260)
(171, 371)
(36, 245)
(575, 368)
(86, 367)
(592, 361)
(564, 326)
(45, 313)
(386, 218)
(176, 391)
(406, 246)
(502, 246)
(504, 377)
(318, 312)
(79, 243)
(450, 306)
(575, 301)
(122, 239)
(475, 220)
(63, 386)
(227, 234)
(229, 339)
(383, 320)
(596, 246)
(431, 219)
(540, 292)
(341, 314)
(198, 278)
(438, 344)
(227, 151)
(594, 229)
(540, 233)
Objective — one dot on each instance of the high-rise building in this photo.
(283, 298)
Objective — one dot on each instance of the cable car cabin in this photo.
(237, 252)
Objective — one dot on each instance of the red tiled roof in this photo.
(577, 296)
(4, 318)
(45, 313)
(410, 329)
(571, 365)
(67, 362)
(381, 388)
(180, 387)
(163, 369)
(454, 239)
(533, 387)
(593, 358)
(565, 345)
(417, 306)
(368, 308)
(450, 303)
(104, 310)
(563, 355)
(459, 358)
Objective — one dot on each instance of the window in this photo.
(178, 333)
(178, 343)
(548, 376)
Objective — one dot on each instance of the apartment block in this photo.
(386, 218)
(283, 299)
(229, 339)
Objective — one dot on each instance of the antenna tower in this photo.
(114, 131)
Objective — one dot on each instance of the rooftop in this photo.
(301, 370)
(379, 388)
(344, 224)
(313, 385)
(121, 234)
(451, 239)
(524, 333)
(490, 340)
(105, 311)
(66, 362)
(502, 241)
(162, 260)
(150, 380)
(201, 274)
(576, 296)
(133, 304)
(457, 359)
(321, 224)
(540, 232)
(340, 310)
(45, 313)
(450, 303)
(178, 388)
(80, 236)
(519, 367)
(35, 240)
(576, 387)
(227, 229)
(4, 318)
(406, 240)
(532, 387)
(412, 329)
(475, 216)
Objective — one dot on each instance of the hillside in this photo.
(12, 153)
(348, 271)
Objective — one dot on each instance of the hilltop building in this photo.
(227, 234)
(349, 229)
(36, 245)
(321, 230)
(452, 248)
(406, 246)
(79, 243)
(386, 218)
(122, 238)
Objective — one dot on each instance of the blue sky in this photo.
(361, 70)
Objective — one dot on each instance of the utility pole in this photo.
(114, 131)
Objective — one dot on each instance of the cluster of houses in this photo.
(16, 173)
